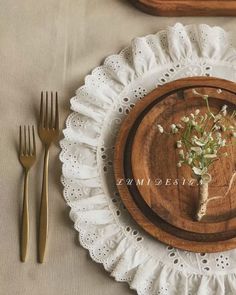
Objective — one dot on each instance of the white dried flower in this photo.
(190, 160)
(217, 117)
(197, 112)
(185, 119)
(179, 144)
(223, 143)
(200, 141)
(208, 150)
(160, 128)
(199, 171)
(210, 156)
(210, 137)
(224, 108)
(179, 164)
(216, 127)
(181, 154)
(197, 150)
(174, 128)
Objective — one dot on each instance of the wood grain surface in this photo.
(154, 158)
(187, 7)
(137, 206)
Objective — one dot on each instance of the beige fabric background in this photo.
(48, 45)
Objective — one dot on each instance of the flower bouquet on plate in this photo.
(200, 140)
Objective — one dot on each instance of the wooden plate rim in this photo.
(186, 7)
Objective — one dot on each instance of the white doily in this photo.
(105, 227)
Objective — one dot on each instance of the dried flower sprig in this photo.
(200, 141)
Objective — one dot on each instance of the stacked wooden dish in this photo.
(186, 7)
(161, 198)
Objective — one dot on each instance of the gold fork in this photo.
(27, 157)
(48, 133)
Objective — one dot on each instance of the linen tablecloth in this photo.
(53, 45)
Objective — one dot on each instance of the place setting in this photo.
(120, 166)
(149, 166)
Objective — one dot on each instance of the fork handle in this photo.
(25, 220)
(43, 218)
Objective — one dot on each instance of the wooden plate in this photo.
(136, 205)
(187, 7)
(154, 158)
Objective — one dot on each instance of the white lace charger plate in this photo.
(105, 227)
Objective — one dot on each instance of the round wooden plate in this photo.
(168, 190)
(130, 195)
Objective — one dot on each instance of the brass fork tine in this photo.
(46, 114)
(29, 142)
(56, 114)
(41, 120)
(51, 119)
(25, 144)
(20, 141)
(34, 144)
